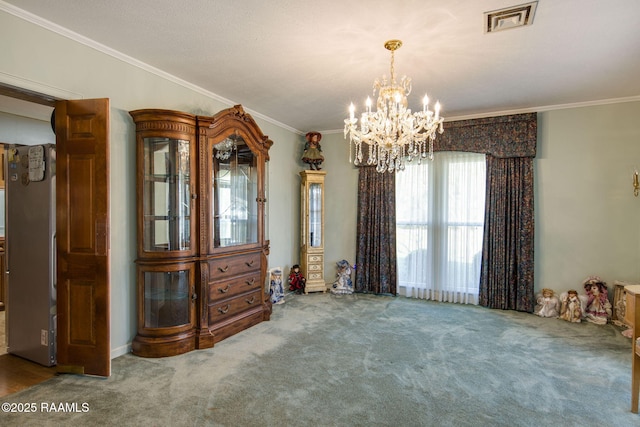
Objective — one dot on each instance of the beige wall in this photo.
(340, 204)
(587, 219)
(586, 215)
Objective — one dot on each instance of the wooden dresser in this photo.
(235, 293)
(632, 318)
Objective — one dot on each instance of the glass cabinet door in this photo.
(315, 215)
(312, 229)
(167, 298)
(166, 196)
(234, 193)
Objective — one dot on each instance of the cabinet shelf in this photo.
(151, 218)
(167, 178)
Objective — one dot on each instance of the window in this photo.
(439, 226)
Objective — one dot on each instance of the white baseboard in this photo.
(117, 352)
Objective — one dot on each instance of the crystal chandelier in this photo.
(392, 133)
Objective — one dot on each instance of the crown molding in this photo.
(539, 109)
(36, 20)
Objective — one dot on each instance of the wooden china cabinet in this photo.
(202, 252)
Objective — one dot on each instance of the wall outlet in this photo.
(44, 337)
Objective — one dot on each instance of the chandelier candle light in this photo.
(392, 133)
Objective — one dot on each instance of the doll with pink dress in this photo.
(598, 308)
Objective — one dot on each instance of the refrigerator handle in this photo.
(54, 266)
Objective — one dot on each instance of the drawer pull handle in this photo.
(250, 282)
(224, 310)
(250, 263)
(252, 300)
(225, 290)
(223, 270)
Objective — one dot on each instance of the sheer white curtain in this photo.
(439, 226)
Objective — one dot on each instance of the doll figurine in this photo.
(296, 280)
(276, 289)
(548, 305)
(571, 307)
(598, 307)
(312, 151)
(343, 285)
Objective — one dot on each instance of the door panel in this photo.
(82, 209)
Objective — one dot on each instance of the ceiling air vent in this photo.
(511, 17)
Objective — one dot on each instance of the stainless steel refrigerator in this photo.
(30, 251)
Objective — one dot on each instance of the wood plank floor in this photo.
(17, 374)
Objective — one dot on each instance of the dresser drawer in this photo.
(234, 286)
(228, 308)
(317, 259)
(314, 276)
(220, 268)
(313, 267)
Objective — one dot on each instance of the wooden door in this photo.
(82, 229)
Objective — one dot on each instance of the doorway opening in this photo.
(21, 107)
(82, 230)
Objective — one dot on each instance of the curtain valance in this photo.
(501, 137)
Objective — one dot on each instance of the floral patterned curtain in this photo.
(506, 275)
(504, 136)
(376, 239)
(506, 279)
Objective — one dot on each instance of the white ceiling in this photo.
(300, 63)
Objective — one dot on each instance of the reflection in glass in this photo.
(166, 299)
(235, 192)
(166, 202)
(315, 215)
(2, 212)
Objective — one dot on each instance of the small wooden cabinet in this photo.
(632, 318)
(312, 229)
(202, 252)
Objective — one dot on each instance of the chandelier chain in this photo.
(393, 69)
